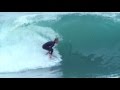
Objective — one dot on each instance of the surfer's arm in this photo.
(51, 45)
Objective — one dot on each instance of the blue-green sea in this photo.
(89, 44)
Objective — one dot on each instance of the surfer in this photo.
(48, 46)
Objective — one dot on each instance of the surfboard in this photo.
(52, 57)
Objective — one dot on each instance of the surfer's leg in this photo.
(47, 50)
(51, 51)
(50, 55)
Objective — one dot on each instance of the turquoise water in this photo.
(89, 44)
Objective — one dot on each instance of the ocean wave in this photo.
(21, 46)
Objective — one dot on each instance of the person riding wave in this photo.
(49, 46)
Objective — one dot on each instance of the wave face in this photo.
(21, 40)
(89, 43)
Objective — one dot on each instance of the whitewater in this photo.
(21, 43)
(89, 44)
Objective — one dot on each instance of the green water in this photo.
(88, 34)
(90, 44)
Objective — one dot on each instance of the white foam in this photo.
(37, 73)
(21, 47)
(108, 76)
(27, 17)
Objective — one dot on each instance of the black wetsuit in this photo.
(48, 46)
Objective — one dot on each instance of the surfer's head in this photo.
(56, 40)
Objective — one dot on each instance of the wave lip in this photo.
(21, 45)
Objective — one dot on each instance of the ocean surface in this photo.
(89, 45)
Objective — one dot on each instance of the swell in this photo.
(21, 45)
